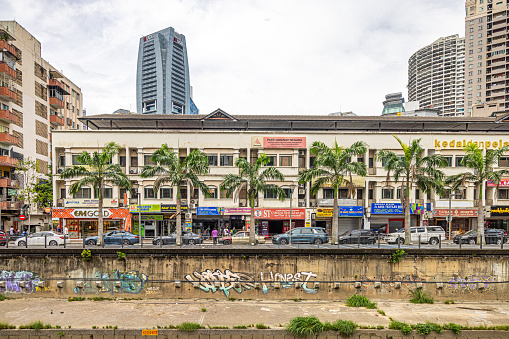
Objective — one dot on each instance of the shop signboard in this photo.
(90, 202)
(503, 183)
(172, 208)
(279, 213)
(144, 208)
(237, 211)
(209, 211)
(386, 208)
(324, 212)
(147, 217)
(499, 211)
(12, 191)
(341, 202)
(279, 142)
(89, 213)
(455, 213)
(351, 211)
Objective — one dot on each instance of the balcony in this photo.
(56, 83)
(7, 116)
(6, 160)
(6, 182)
(56, 120)
(6, 47)
(4, 68)
(9, 139)
(7, 94)
(56, 103)
(10, 205)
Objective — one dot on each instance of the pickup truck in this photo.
(427, 234)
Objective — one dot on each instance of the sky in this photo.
(266, 57)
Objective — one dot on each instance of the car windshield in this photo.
(240, 234)
(346, 233)
(470, 232)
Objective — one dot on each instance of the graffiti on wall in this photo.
(470, 284)
(367, 283)
(217, 280)
(130, 282)
(13, 278)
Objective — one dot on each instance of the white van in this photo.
(427, 234)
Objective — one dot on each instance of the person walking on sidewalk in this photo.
(214, 236)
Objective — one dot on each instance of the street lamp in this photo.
(137, 187)
(292, 187)
(461, 187)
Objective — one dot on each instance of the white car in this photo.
(427, 234)
(241, 238)
(37, 239)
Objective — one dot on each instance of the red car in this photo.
(3, 238)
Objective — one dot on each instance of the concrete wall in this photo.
(265, 275)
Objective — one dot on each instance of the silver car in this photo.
(39, 238)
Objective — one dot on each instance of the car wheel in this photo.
(3, 244)
(91, 242)
(433, 241)
(318, 242)
(158, 242)
(256, 242)
(499, 241)
(191, 242)
(472, 241)
(371, 242)
(22, 243)
(126, 242)
(226, 242)
(401, 240)
(283, 242)
(53, 243)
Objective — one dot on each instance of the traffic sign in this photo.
(47, 209)
(22, 217)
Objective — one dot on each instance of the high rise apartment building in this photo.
(436, 76)
(35, 98)
(486, 41)
(162, 78)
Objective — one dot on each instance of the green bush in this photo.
(380, 311)
(36, 325)
(302, 326)
(449, 302)
(60, 333)
(86, 255)
(204, 310)
(3, 297)
(420, 297)
(240, 327)
(357, 300)
(101, 298)
(6, 326)
(427, 328)
(397, 256)
(76, 299)
(345, 327)
(397, 325)
(121, 255)
(455, 328)
(189, 327)
(262, 327)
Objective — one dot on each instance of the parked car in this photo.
(309, 235)
(33, 239)
(115, 238)
(241, 238)
(491, 235)
(188, 238)
(426, 234)
(356, 236)
(3, 238)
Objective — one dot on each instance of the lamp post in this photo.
(138, 196)
(450, 214)
(292, 187)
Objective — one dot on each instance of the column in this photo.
(127, 159)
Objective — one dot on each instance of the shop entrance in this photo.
(275, 227)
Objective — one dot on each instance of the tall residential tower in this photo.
(436, 76)
(162, 78)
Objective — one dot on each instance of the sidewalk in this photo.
(148, 313)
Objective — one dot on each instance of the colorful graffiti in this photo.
(12, 281)
(470, 284)
(130, 282)
(213, 281)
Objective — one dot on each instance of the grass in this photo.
(240, 327)
(76, 299)
(218, 327)
(232, 299)
(380, 311)
(132, 298)
(345, 327)
(204, 310)
(100, 298)
(189, 327)
(427, 328)
(397, 256)
(3, 297)
(35, 325)
(448, 302)
(60, 333)
(297, 299)
(397, 325)
(6, 326)
(303, 326)
(420, 297)
(262, 327)
(455, 328)
(357, 300)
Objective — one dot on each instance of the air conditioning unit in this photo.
(120, 204)
(302, 191)
(313, 203)
(60, 170)
(242, 204)
(302, 204)
(133, 171)
(192, 202)
(189, 215)
(193, 206)
(302, 152)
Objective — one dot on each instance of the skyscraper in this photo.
(162, 78)
(436, 76)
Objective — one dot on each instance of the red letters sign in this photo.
(503, 183)
(455, 213)
(279, 213)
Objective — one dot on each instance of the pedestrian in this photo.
(214, 236)
(225, 233)
(66, 231)
(59, 229)
(11, 231)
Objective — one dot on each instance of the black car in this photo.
(491, 235)
(356, 236)
(188, 238)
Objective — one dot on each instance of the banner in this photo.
(172, 208)
(280, 213)
(503, 183)
(209, 211)
(144, 208)
(237, 211)
(351, 211)
(455, 213)
(499, 211)
(279, 142)
(386, 208)
(89, 213)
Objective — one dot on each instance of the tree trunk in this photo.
(100, 221)
(178, 226)
(480, 217)
(335, 219)
(408, 240)
(252, 238)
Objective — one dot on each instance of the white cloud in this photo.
(247, 57)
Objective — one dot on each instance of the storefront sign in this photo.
(90, 202)
(386, 208)
(172, 208)
(503, 183)
(460, 143)
(209, 211)
(89, 213)
(144, 208)
(351, 211)
(12, 191)
(145, 217)
(455, 213)
(279, 214)
(341, 202)
(499, 211)
(324, 212)
(279, 142)
(237, 211)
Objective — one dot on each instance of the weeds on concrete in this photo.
(3, 297)
(76, 299)
(420, 297)
(86, 255)
(189, 327)
(204, 310)
(132, 298)
(60, 333)
(397, 325)
(240, 327)
(217, 327)
(397, 256)
(100, 298)
(455, 328)
(36, 325)
(357, 300)
(380, 312)
(232, 299)
(427, 328)
(6, 326)
(345, 327)
(303, 326)
(448, 302)
(262, 326)
(297, 299)
(121, 255)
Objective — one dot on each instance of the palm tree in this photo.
(333, 167)
(170, 170)
(253, 179)
(96, 170)
(483, 169)
(412, 168)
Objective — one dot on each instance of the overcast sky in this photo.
(245, 57)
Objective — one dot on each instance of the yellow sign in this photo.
(459, 144)
(308, 223)
(324, 212)
(149, 332)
